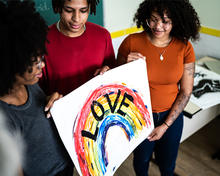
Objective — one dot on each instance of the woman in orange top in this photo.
(168, 25)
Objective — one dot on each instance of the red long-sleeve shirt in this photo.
(71, 61)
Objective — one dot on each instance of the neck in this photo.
(17, 96)
(160, 42)
(65, 32)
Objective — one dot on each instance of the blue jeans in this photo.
(165, 149)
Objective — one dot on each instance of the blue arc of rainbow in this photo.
(115, 105)
(109, 121)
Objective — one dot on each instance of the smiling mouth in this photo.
(157, 31)
(39, 75)
(75, 26)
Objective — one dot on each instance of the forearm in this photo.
(186, 86)
(178, 106)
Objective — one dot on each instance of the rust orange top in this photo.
(164, 75)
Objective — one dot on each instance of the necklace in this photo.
(161, 53)
(58, 26)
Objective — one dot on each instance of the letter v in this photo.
(115, 102)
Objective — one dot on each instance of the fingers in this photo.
(157, 133)
(134, 56)
(55, 96)
(131, 57)
(48, 114)
(102, 70)
(97, 72)
(153, 136)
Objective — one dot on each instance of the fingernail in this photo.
(46, 109)
(48, 115)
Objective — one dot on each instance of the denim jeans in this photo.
(165, 149)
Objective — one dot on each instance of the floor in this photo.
(194, 158)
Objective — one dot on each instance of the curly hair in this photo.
(23, 35)
(185, 21)
(58, 5)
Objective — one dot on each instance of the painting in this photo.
(104, 120)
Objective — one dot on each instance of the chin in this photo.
(34, 81)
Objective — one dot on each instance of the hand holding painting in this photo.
(165, 44)
(21, 99)
(84, 48)
(134, 56)
(109, 109)
(50, 100)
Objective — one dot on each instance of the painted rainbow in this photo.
(107, 106)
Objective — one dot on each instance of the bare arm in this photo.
(186, 86)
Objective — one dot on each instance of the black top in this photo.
(44, 153)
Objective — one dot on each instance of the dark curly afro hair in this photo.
(185, 21)
(23, 35)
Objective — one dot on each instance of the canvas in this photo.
(104, 120)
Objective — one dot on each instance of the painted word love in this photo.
(112, 108)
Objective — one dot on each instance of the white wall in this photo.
(207, 46)
(208, 11)
(118, 14)
(209, 15)
(116, 43)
